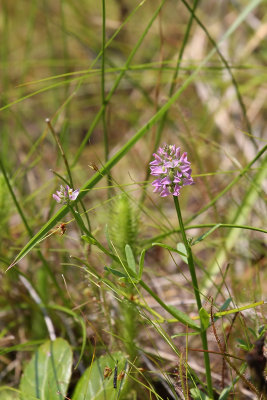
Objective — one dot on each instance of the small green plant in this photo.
(122, 232)
(48, 374)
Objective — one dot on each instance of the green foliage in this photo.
(226, 392)
(181, 248)
(48, 373)
(129, 88)
(198, 394)
(94, 386)
(183, 318)
(9, 394)
(130, 260)
(225, 305)
(122, 225)
(244, 345)
(122, 234)
(205, 318)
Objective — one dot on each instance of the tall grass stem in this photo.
(103, 100)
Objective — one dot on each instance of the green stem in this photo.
(103, 99)
(197, 295)
(157, 298)
(171, 91)
(93, 240)
(103, 78)
(52, 130)
(171, 310)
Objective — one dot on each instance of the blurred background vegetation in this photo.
(51, 67)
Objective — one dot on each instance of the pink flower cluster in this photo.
(65, 195)
(172, 169)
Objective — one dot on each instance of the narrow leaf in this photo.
(88, 239)
(182, 251)
(223, 308)
(204, 318)
(141, 264)
(184, 318)
(198, 394)
(130, 259)
(202, 237)
(115, 272)
(225, 393)
(225, 304)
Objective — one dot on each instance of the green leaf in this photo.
(184, 318)
(225, 304)
(202, 237)
(182, 334)
(48, 373)
(115, 272)
(204, 318)
(178, 251)
(93, 385)
(40, 235)
(198, 394)
(243, 345)
(182, 251)
(223, 307)
(225, 393)
(261, 331)
(9, 394)
(141, 264)
(88, 239)
(253, 332)
(130, 260)
(26, 346)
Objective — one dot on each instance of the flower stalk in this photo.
(173, 171)
(192, 271)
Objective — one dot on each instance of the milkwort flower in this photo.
(66, 195)
(172, 169)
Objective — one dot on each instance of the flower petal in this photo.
(57, 198)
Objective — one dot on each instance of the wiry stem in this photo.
(197, 295)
